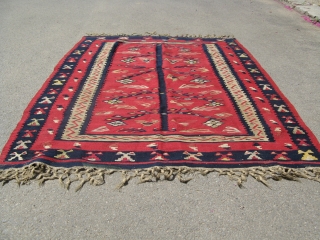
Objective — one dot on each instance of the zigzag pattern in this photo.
(78, 113)
(259, 111)
(246, 108)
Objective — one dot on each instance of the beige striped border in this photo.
(78, 114)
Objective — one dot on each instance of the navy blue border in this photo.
(144, 157)
(74, 98)
(67, 164)
(244, 88)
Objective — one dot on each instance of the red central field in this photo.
(194, 100)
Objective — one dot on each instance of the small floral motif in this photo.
(116, 123)
(125, 81)
(199, 80)
(113, 101)
(213, 123)
(128, 60)
(191, 61)
(214, 104)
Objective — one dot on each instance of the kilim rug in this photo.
(159, 108)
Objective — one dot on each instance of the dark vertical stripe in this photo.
(75, 97)
(243, 87)
(163, 109)
(101, 83)
(230, 97)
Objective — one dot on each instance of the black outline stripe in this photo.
(100, 85)
(230, 97)
(244, 88)
(163, 108)
(235, 74)
(75, 96)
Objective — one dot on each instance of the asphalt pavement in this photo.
(36, 34)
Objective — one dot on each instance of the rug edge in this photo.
(41, 172)
(32, 102)
(292, 108)
(155, 34)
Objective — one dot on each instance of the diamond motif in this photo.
(199, 80)
(128, 60)
(113, 101)
(214, 104)
(191, 61)
(213, 123)
(116, 123)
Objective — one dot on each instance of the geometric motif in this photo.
(139, 102)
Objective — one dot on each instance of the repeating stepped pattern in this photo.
(134, 102)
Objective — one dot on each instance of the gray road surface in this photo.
(35, 34)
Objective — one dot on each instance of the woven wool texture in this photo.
(163, 105)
